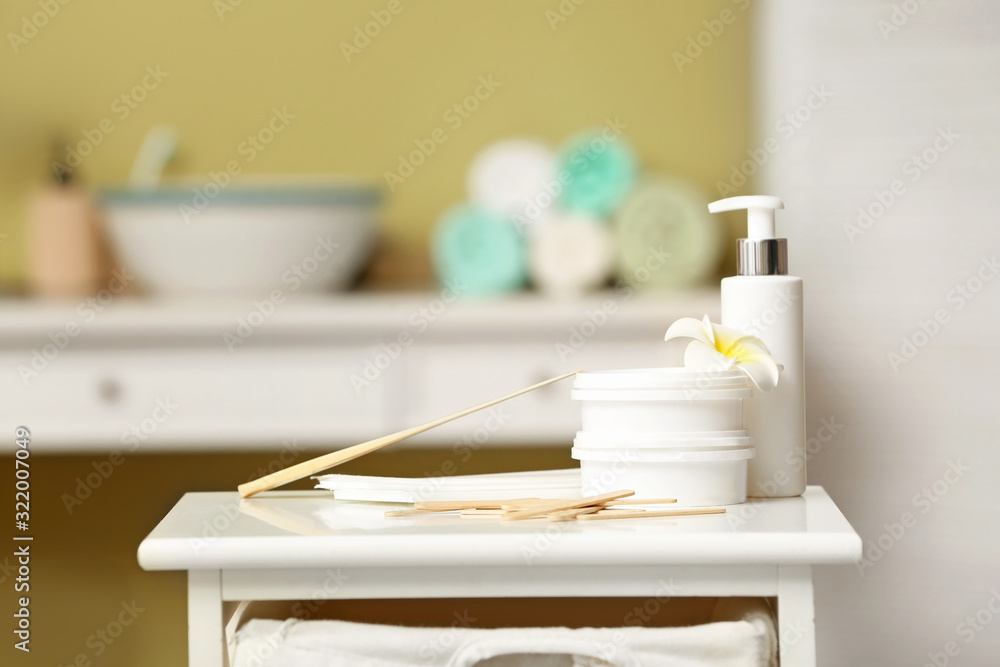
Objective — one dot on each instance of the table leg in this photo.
(796, 616)
(206, 647)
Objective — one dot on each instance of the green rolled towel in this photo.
(664, 235)
(477, 251)
(598, 169)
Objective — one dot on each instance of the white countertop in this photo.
(309, 529)
(351, 313)
(321, 370)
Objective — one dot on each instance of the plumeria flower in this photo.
(715, 346)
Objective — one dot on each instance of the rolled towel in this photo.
(664, 235)
(742, 642)
(599, 173)
(571, 255)
(479, 251)
(514, 176)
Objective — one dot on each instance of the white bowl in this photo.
(243, 240)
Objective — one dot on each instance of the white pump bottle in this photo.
(764, 301)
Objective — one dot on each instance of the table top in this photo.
(309, 529)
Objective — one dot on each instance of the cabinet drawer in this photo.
(442, 380)
(190, 398)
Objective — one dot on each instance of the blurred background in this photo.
(234, 235)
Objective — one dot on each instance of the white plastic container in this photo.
(708, 441)
(764, 301)
(696, 476)
(661, 400)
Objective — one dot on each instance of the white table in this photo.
(305, 545)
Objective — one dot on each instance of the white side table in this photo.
(304, 545)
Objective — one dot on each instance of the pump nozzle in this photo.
(760, 253)
(760, 213)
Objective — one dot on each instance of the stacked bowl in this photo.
(664, 433)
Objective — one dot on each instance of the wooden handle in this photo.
(312, 466)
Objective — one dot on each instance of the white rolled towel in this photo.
(516, 177)
(747, 641)
(570, 255)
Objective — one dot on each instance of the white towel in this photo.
(749, 642)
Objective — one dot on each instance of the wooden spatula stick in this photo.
(312, 466)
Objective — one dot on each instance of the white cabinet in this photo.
(322, 372)
(189, 397)
(440, 378)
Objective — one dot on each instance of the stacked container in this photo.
(664, 432)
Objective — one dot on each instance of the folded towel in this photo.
(598, 173)
(479, 251)
(571, 255)
(747, 642)
(513, 176)
(665, 237)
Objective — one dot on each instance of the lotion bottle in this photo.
(762, 300)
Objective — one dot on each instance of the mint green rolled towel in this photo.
(598, 169)
(664, 235)
(477, 251)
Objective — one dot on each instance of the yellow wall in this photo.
(224, 78)
(225, 75)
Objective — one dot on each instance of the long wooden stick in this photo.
(640, 501)
(639, 514)
(312, 466)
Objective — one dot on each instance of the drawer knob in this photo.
(110, 390)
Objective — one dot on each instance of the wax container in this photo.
(694, 441)
(697, 478)
(664, 432)
(661, 400)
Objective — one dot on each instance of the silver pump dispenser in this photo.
(760, 254)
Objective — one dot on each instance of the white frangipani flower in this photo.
(714, 346)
